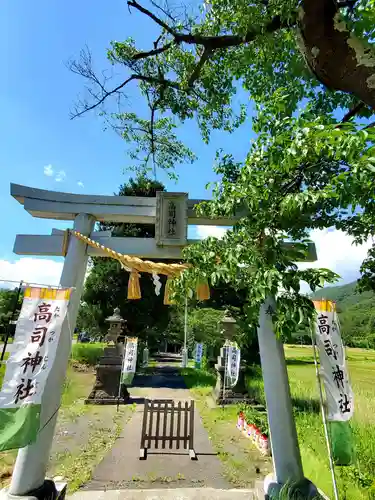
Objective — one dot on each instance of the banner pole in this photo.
(324, 418)
(185, 354)
(225, 371)
(122, 369)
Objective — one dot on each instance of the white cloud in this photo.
(48, 170)
(60, 176)
(80, 184)
(31, 270)
(336, 251)
(205, 231)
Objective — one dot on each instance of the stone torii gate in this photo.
(171, 213)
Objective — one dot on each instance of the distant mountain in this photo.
(344, 295)
(356, 312)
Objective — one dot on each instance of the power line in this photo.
(25, 284)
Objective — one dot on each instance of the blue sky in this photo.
(36, 93)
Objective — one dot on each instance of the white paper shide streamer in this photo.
(157, 283)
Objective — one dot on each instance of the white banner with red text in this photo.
(34, 349)
(130, 360)
(232, 365)
(333, 368)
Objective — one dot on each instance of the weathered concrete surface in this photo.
(167, 494)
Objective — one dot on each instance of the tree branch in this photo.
(352, 112)
(104, 97)
(164, 11)
(195, 74)
(153, 52)
(213, 42)
(148, 13)
(225, 41)
(209, 43)
(107, 93)
(153, 107)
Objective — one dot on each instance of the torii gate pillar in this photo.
(286, 456)
(31, 464)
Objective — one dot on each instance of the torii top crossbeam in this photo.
(171, 227)
(170, 212)
(65, 206)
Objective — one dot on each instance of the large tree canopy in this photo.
(320, 51)
(297, 176)
(309, 70)
(9, 309)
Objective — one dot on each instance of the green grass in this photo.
(242, 463)
(200, 380)
(76, 468)
(355, 482)
(2, 339)
(87, 354)
(305, 353)
(2, 368)
(76, 388)
(238, 464)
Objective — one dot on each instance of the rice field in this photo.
(355, 482)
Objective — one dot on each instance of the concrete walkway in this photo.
(163, 469)
(171, 494)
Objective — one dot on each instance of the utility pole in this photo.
(11, 320)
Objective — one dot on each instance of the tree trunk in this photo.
(337, 58)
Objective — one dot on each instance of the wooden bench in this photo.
(166, 424)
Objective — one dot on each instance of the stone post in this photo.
(145, 357)
(31, 464)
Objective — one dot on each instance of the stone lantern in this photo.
(228, 326)
(116, 326)
(108, 371)
(222, 394)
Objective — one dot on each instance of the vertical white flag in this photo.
(233, 364)
(27, 369)
(130, 360)
(198, 354)
(333, 366)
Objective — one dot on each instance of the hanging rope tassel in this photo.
(203, 290)
(167, 292)
(134, 288)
